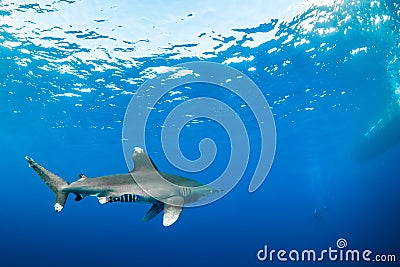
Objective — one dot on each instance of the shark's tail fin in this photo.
(54, 182)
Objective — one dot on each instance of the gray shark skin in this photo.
(168, 194)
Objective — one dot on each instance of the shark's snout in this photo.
(209, 191)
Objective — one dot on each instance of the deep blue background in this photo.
(314, 164)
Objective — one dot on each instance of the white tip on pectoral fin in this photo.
(172, 212)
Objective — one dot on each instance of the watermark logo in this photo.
(220, 111)
(341, 253)
(341, 243)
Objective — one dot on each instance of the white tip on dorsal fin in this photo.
(142, 161)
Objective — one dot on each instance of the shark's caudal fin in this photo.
(54, 182)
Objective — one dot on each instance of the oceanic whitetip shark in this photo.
(169, 195)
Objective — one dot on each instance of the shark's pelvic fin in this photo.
(142, 161)
(153, 211)
(78, 197)
(173, 210)
(54, 182)
(103, 200)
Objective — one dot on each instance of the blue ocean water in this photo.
(329, 70)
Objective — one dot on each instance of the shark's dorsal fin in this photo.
(172, 212)
(81, 177)
(142, 161)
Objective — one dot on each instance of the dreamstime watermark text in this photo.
(339, 253)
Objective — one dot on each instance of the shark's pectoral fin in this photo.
(153, 211)
(172, 210)
(171, 214)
